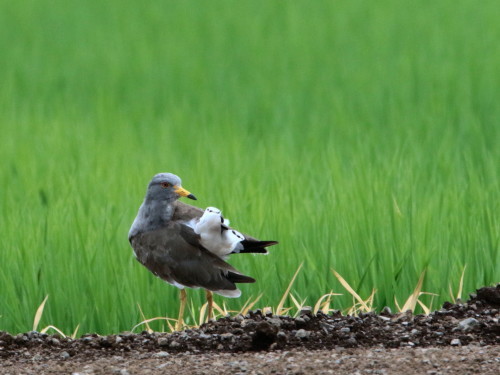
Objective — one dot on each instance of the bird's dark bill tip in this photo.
(191, 196)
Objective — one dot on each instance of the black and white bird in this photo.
(217, 237)
(178, 243)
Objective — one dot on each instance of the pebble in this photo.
(302, 334)
(163, 341)
(274, 321)
(226, 336)
(306, 310)
(468, 324)
(455, 342)
(174, 345)
(161, 354)
(300, 321)
(386, 310)
(352, 341)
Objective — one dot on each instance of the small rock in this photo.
(468, 324)
(21, 339)
(345, 330)
(455, 342)
(351, 341)
(326, 327)
(161, 355)
(226, 336)
(300, 321)
(282, 337)
(306, 310)
(248, 323)
(275, 322)
(174, 345)
(65, 355)
(302, 334)
(163, 341)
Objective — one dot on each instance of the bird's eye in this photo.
(165, 185)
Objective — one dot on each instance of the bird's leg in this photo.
(210, 301)
(180, 322)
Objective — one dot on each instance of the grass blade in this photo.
(346, 285)
(148, 328)
(461, 284)
(411, 302)
(279, 309)
(39, 313)
(54, 328)
(73, 336)
(248, 307)
(145, 322)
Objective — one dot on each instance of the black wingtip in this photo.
(239, 278)
(255, 250)
(268, 243)
(257, 244)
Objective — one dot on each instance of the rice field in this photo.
(364, 136)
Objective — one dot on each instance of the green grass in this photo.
(362, 135)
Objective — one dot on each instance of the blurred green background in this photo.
(361, 135)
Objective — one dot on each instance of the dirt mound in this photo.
(476, 321)
(459, 338)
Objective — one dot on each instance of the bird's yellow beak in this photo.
(183, 192)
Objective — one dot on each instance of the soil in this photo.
(462, 337)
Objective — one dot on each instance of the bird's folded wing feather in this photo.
(170, 253)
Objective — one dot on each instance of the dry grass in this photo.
(323, 304)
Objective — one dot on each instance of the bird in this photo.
(164, 240)
(217, 237)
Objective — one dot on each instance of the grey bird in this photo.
(164, 241)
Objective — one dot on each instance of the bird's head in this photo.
(213, 210)
(167, 186)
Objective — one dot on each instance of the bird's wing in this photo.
(186, 212)
(170, 253)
